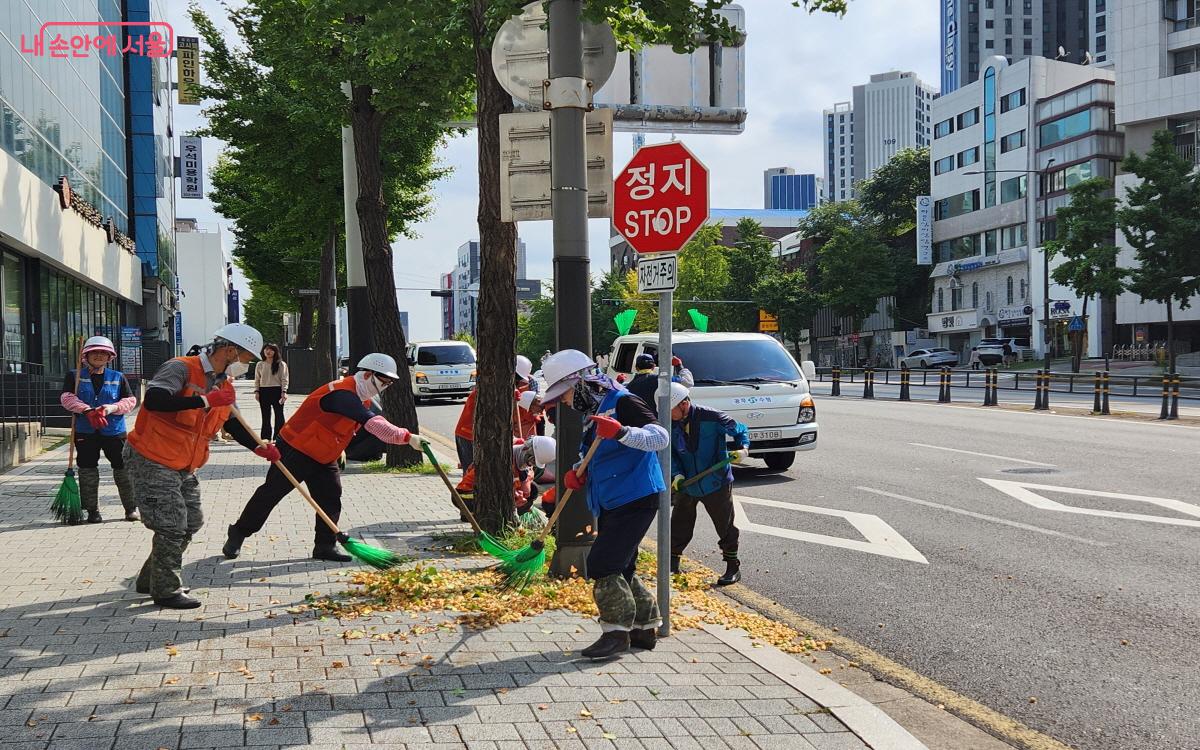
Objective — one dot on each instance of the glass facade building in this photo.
(794, 191)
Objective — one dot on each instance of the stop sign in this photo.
(660, 199)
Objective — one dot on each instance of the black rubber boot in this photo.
(145, 589)
(178, 601)
(733, 573)
(674, 564)
(331, 554)
(644, 638)
(94, 517)
(609, 645)
(233, 544)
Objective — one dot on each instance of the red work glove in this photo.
(269, 452)
(96, 418)
(676, 362)
(607, 427)
(221, 397)
(573, 481)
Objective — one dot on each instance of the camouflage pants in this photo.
(625, 605)
(169, 501)
(623, 601)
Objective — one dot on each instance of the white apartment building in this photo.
(1005, 150)
(838, 152)
(1158, 88)
(203, 282)
(891, 112)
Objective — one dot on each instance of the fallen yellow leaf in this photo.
(584, 712)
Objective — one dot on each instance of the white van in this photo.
(749, 376)
(441, 369)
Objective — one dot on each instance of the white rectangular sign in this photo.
(658, 273)
(924, 230)
(525, 165)
(191, 167)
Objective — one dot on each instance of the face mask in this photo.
(586, 401)
(236, 369)
(367, 388)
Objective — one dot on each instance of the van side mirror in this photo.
(809, 368)
(412, 361)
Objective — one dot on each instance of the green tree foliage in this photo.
(788, 296)
(1159, 219)
(855, 273)
(535, 330)
(750, 260)
(604, 329)
(1086, 237)
(703, 275)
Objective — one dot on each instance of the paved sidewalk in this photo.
(87, 663)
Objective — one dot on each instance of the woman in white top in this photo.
(270, 389)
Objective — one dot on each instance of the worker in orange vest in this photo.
(523, 426)
(187, 402)
(311, 443)
(529, 457)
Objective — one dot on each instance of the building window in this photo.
(941, 166)
(970, 156)
(956, 205)
(1013, 100)
(1100, 5)
(989, 242)
(941, 300)
(1028, 27)
(956, 298)
(1185, 61)
(1012, 141)
(1065, 179)
(957, 249)
(968, 118)
(989, 134)
(988, 297)
(1101, 44)
(989, 44)
(1101, 24)
(1008, 291)
(1008, 26)
(1008, 46)
(975, 294)
(1024, 289)
(1012, 236)
(1027, 48)
(943, 128)
(1064, 128)
(1012, 189)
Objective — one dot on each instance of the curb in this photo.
(863, 718)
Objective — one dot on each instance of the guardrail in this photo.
(1124, 386)
(22, 394)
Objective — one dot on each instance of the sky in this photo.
(797, 65)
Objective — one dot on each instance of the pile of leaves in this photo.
(477, 599)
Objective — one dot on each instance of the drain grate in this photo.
(1030, 470)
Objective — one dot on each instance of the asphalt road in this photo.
(962, 581)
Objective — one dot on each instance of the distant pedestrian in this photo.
(270, 390)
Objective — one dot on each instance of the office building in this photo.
(75, 250)
(838, 151)
(784, 189)
(464, 307)
(891, 112)
(447, 284)
(974, 30)
(203, 282)
(1158, 88)
(1006, 149)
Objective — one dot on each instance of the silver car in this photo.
(926, 358)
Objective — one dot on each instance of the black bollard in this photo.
(837, 382)
(1175, 397)
(867, 382)
(904, 378)
(1038, 389)
(1104, 401)
(1096, 400)
(1166, 395)
(1046, 391)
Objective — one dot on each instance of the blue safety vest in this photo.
(618, 474)
(110, 393)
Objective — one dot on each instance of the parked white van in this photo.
(441, 369)
(749, 376)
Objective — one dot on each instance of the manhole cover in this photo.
(1030, 470)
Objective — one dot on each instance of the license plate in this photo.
(448, 386)
(765, 435)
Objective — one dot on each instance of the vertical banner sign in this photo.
(131, 350)
(924, 230)
(187, 56)
(191, 167)
(235, 308)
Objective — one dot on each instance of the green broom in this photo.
(715, 467)
(527, 562)
(488, 543)
(376, 557)
(67, 506)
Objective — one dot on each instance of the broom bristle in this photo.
(67, 507)
(493, 546)
(524, 565)
(376, 557)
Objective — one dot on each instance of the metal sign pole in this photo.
(665, 314)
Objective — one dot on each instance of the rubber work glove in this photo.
(739, 455)
(676, 362)
(96, 419)
(417, 442)
(221, 397)
(677, 483)
(607, 427)
(269, 452)
(573, 480)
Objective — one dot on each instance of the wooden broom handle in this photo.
(78, 379)
(425, 447)
(279, 465)
(562, 503)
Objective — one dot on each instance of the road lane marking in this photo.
(983, 517)
(1025, 493)
(881, 539)
(984, 455)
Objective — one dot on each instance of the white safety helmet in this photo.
(98, 344)
(562, 370)
(379, 363)
(679, 394)
(526, 400)
(524, 367)
(539, 450)
(247, 337)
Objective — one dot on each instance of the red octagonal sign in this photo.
(660, 199)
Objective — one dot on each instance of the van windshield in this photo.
(445, 355)
(735, 361)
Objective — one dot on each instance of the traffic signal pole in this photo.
(572, 285)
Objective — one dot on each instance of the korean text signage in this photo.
(1013, 315)
(191, 167)
(958, 321)
(767, 323)
(188, 58)
(924, 230)
(658, 273)
(74, 39)
(660, 199)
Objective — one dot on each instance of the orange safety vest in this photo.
(179, 439)
(319, 434)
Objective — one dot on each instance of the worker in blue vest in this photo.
(100, 397)
(623, 482)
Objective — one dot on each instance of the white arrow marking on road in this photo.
(881, 539)
(1025, 493)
